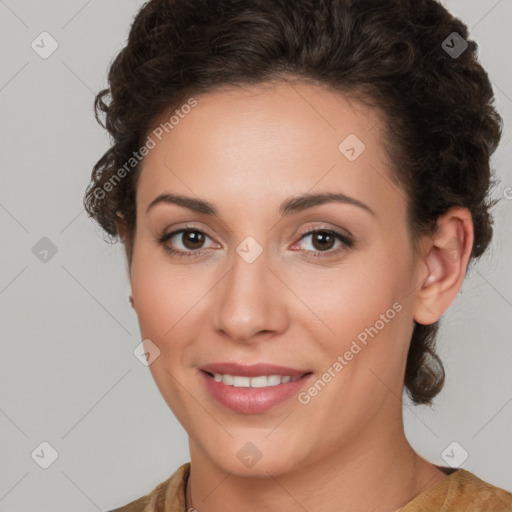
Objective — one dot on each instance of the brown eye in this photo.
(323, 240)
(184, 242)
(323, 243)
(192, 239)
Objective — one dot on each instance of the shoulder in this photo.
(168, 495)
(477, 494)
(462, 491)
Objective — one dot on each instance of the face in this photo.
(321, 288)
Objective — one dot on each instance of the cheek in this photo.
(161, 301)
(168, 297)
(359, 312)
(349, 298)
(154, 290)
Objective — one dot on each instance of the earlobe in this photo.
(444, 264)
(120, 226)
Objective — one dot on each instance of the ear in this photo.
(443, 265)
(121, 226)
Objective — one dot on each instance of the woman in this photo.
(300, 188)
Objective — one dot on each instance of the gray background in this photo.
(68, 375)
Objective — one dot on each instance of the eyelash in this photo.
(347, 243)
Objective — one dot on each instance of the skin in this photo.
(246, 150)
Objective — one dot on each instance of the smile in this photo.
(261, 381)
(251, 395)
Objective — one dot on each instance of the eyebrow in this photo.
(289, 206)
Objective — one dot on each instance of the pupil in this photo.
(195, 238)
(323, 236)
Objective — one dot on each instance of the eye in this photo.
(323, 240)
(191, 239)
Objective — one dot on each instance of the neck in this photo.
(374, 472)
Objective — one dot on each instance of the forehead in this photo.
(263, 143)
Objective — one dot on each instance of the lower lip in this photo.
(252, 400)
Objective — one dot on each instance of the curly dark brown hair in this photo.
(441, 126)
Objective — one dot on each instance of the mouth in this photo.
(260, 381)
(256, 393)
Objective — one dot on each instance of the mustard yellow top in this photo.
(459, 491)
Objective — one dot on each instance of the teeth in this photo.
(241, 382)
(261, 381)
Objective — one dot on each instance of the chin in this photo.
(243, 457)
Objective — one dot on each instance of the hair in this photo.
(440, 124)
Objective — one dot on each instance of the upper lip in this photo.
(253, 370)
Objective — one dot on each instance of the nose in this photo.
(251, 301)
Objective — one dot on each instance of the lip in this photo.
(253, 400)
(253, 370)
